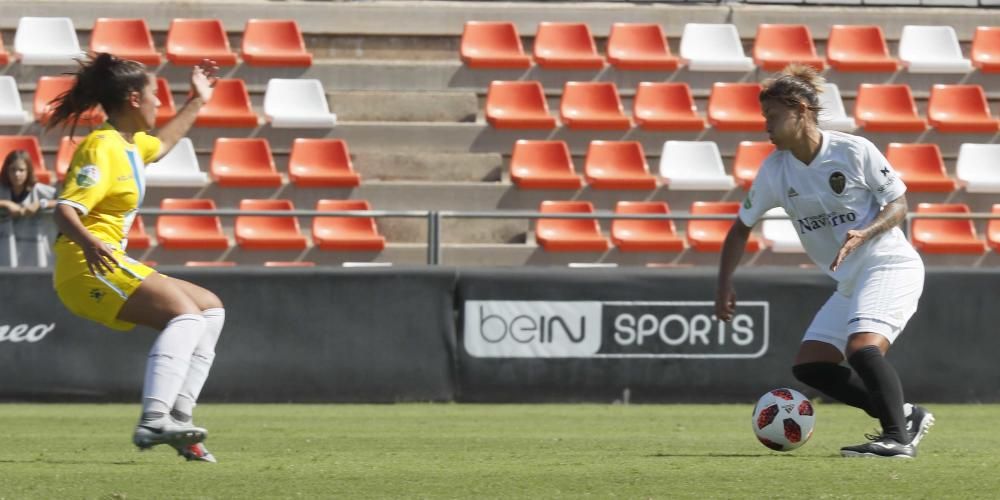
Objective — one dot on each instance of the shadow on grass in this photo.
(57, 461)
(718, 455)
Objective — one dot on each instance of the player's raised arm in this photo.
(203, 79)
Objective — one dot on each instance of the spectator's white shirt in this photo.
(843, 188)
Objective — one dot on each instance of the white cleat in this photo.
(166, 430)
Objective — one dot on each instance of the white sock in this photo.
(201, 361)
(907, 409)
(168, 362)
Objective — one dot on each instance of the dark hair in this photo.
(8, 163)
(103, 80)
(795, 84)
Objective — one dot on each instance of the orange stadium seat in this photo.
(244, 162)
(209, 263)
(592, 106)
(993, 230)
(190, 232)
(666, 106)
(708, 235)
(640, 47)
(985, 53)
(634, 235)
(228, 107)
(125, 38)
(617, 165)
(189, 41)
(543, 165)
(492, 45)
(921, 167)
(30, 144)
(518, 105)
(167, 110)
(566, 46)
(736, 107)
(887, 108)
(750, 156)
(346, 233)
(138, 238)
(859, 48)
(274, 42)
(952, 236)
(960, 108)
(4, 55)
(268, 232)
(50, 87)
(67, 146)
(569, 235)
(778, 45)
(321, 163)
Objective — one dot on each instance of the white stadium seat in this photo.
(713, 47)
(694, 165)
(46, 41)
(179, 168)
(781, 235)
(932, 49)
(11, 110)
(978, 167)
(297, 103)
(834, 116)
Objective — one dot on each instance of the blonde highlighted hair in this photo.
(794, 85)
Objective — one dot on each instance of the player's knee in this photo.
(814, 374)
(211, 301)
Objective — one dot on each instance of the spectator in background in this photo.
(25, 214)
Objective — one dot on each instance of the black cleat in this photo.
(918, 424)
(880, 447)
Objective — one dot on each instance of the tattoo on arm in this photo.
(891, 216)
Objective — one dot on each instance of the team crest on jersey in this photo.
(97, 294)
(88, 176)
(838, 182)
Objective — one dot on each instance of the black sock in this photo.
(837, 381)
(180, 416)
(885, 390)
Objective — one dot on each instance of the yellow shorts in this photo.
(98, 298)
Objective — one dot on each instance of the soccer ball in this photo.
(783, 419)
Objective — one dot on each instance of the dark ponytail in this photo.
(103, 80)
(795, 84)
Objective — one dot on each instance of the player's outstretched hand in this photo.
(100, 257)
(204, 76)
(854, 239)
(725, 303)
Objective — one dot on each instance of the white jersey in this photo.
(843, 188)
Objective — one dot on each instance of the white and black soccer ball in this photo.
(783, 419)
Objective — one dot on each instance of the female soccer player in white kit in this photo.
(847, 203)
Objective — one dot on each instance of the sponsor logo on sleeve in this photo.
(748, 203)
(88, 176)
(612, 329)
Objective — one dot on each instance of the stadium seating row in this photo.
(331, 233)
(718, 47)
(534, 164)
(732, 107)
(52, 41)
(288, 103)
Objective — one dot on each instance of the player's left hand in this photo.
(204, 76)
(854, 239)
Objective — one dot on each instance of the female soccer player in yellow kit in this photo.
(93, 276)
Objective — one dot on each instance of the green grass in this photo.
(485, 451)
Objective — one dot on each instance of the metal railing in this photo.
(434, 217)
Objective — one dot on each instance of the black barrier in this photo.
(291, 335)
(647, 335)
(527, 334)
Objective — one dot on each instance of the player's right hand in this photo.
(100, 257)
(725, 302)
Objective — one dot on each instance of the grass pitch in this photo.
(485, 451)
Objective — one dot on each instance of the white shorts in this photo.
(885, 297)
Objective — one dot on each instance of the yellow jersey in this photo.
(105, 183)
